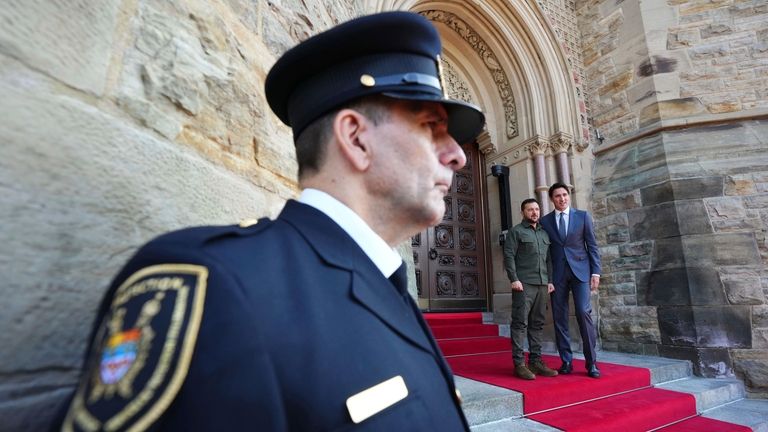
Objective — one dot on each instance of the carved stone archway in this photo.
(505, 56)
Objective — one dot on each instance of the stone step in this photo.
(724, 399)
(709, 393)
(484, 403)
(490, 408)
(662, 369)
(748, 412)
(517, 425)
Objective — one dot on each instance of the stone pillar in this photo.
(680, 213)
(560, 143)
(538, 148)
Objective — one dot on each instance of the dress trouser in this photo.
(529, 307)
(583, 306)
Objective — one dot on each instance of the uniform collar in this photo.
(530, 225)
(386, 259)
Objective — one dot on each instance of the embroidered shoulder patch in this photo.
(142, 350)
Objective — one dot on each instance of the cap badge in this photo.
(441, 75)
(367, 80)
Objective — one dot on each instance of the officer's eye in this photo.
(436, 124)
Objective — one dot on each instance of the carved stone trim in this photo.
(456, 87)
(581, 145)
(560, 142)
(489, 59)
(485, 144)
(537, 145)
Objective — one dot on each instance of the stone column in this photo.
(560, 143)
(538, 147)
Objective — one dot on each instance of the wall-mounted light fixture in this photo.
(599, 136)
(505, 205)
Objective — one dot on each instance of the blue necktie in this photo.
(561, 228)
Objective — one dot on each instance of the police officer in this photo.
(292, 324)
(529, 268)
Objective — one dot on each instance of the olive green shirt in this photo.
(526, 255)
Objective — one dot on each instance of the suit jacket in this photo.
(280, 324)
(579, 249)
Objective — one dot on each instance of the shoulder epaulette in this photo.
(197, 236)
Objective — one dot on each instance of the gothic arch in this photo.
(511, 61)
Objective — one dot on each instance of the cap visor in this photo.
(465, 121)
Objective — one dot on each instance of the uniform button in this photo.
(245, 223)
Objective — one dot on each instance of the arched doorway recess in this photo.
(505, 57)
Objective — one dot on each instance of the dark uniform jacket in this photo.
(272, 327)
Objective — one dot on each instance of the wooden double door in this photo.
(450, 258)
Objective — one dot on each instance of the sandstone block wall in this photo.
(678, 89)
(685, 251)
(668, 59)
(120, 120)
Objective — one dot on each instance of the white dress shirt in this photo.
(386, 259)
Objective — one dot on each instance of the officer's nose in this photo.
(453, 155)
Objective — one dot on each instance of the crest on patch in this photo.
(119, 354)
(141, 353)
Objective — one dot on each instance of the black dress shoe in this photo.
(593, 371)
(566, 368)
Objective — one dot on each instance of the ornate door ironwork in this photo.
(450, 257)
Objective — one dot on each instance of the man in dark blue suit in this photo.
(576, 268)
(303, 323)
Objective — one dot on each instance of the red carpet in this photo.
(435, 320)
(454, 347)
(464, 331)
(699, 424)
(636, 411)
(546, 393)
(621, 400)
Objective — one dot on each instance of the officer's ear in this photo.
(351, 130)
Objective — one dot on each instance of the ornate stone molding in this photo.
(457, 88)
(581, 145)
(485, 144)
(560, 142)
(489, 59)
(536, 145)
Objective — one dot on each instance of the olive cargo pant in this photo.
(529, 308)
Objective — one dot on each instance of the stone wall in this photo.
(678, 88)
(121, 120)
(685, 252)
(666, 59)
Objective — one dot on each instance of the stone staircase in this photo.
(490, 408)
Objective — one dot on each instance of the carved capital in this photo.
(581, 145)
(537, 145)
(485, 144)
(560, 142)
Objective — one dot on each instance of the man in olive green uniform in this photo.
(529, 268)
